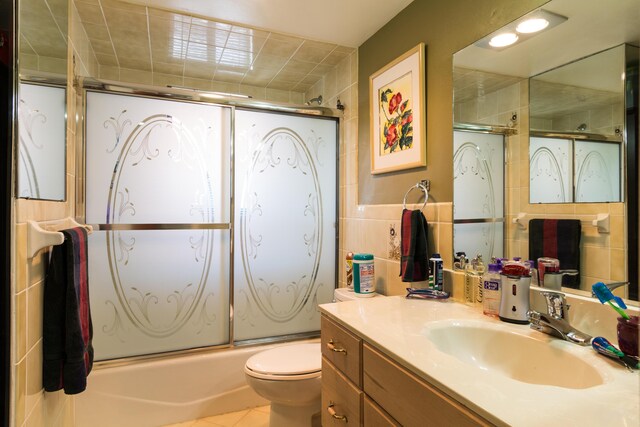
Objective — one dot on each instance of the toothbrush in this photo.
(604, 347)
(604, 295)
(426, 294)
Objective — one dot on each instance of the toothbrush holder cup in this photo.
(628, 331)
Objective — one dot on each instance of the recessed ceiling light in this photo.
(532, 25)
(504, 39)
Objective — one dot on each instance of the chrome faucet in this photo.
(554, 321)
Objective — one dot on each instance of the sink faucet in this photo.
(554, 321)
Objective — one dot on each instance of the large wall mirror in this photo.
(42, 59)
(546, 129)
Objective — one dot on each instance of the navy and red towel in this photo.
(67, 329)
(414, 253)
(560, 239)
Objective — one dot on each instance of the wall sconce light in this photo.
(529, 25)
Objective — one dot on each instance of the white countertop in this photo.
(397, 327)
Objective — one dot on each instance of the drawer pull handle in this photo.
(332, 412)
(331, 345)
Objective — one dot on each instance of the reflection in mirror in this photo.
(491, 96)
(581, 105)
(41, 152)
(42, 59)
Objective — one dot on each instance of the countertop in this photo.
(397, 326)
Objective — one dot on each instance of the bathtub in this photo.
(160, 392)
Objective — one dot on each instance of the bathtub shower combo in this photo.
(215, 227)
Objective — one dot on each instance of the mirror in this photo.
(42, 59)
(508, 93)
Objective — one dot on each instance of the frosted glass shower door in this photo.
(285, 215)
(157, 184)
(478, 182)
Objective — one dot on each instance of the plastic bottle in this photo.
(470, 282)
(479, 285)
(349, 269)
(491, 296)
(435, 265)
(364, 283)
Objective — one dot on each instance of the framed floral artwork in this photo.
(397, 102)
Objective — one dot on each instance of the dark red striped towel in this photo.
(560, 239)
(414, 260)
(67, 329)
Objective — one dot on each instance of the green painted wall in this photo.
(445, 27)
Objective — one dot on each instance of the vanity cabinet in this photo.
(363, 386)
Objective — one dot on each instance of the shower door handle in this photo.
(333, 413)
(331, 346)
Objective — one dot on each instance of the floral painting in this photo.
(397, 114)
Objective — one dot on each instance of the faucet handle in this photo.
(556, 304)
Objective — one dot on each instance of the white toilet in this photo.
(289, 377)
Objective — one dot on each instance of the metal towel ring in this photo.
(418, 186)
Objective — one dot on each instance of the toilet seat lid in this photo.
(287, 360)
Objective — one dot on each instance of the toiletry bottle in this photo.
(349, 270)
(491, 296)
(364, 284)
(479, 285)
(435, 265)
(470, 282)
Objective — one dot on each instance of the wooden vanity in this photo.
(363, 386)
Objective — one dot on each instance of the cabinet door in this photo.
(343, 349)
(375, 416)
(341, 401)
(409, 399)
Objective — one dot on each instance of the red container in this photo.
(628, 331)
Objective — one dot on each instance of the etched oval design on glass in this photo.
(281, 265)
(160, 276)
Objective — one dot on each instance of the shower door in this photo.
(285, 222)
(478, 183)
(158, 186)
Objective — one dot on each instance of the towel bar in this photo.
(601, 222)
(38, 238)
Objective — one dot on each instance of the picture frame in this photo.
(397, 113)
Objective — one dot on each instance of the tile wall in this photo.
(366, 228)
(602, 255)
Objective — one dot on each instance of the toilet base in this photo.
(293, 416)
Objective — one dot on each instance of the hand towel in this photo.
(414, 256)
(67, 329)
(560, 239)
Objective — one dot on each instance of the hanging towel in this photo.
(560, 239)
(67, 329)
(414, 261)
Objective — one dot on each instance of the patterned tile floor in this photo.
(256, 417)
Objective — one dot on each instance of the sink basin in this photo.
(516, 356)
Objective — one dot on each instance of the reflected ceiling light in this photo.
(518, 31)
(532, 25)
(504, 39)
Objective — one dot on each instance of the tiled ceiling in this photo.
(43, 27)
(549, 100)
(469, 84)
(142, 38)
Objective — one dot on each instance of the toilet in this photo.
(289, 377)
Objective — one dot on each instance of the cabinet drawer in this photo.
(341, 401)
(409, 399)
(342, 348)
(375, 416)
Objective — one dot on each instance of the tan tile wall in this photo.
(31, 405)
(602, 256)
(366, 228)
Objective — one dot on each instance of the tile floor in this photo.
(256, 417)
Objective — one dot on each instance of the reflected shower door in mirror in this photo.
(478, 183)
(566, 170)
(575, 84)
(42, 54)
(42, 148)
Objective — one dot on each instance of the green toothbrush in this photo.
(604, 295)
